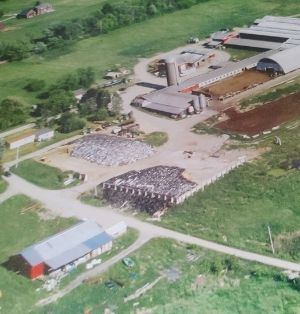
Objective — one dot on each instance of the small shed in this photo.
(27, 13)
(43, 8)
(18, 140)
(112, 75)
(44, 135)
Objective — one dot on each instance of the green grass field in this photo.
(237, 209)
(18, 231)
(3, 185)
(126, 45)
(41, 174)
(247, 288)
(156, 138)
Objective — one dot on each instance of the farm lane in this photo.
(65, 204)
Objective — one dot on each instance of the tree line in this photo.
(109, 17)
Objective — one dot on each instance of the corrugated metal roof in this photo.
(59, 244)
(117, 228)
(164, 108)
(43, 131)
(288, 59)
(242, 42)
(97, 241)
(67, 256)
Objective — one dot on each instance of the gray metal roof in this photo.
(63, 246)
(288, 59)
(261, 44)
(43, 131)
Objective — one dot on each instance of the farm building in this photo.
(15, 141)
(284, 61)
(180, 99)
(189, 60)
(44, 135)
(269, 32)
(75, 245)
(39, 9)
(27, 14)
(151, 190)
(117, 230)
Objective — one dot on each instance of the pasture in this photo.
(126, 45)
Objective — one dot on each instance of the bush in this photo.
(35, 85)
(70, 122)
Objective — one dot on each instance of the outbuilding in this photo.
(44, 135)
(18, 140)
(75, 245)
(284, 61)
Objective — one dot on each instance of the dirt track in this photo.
(262, 118)
(238, 83)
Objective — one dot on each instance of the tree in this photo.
(116, 104)
(103, 98)
(59, 101)
(35, 85)
(86, 77)
(12, 113)
(70, 122)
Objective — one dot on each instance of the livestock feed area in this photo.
(105, 150)
(262, 118)
(237, 84)
(151, 190)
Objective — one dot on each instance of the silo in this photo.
(202, 101)
(196, 104)
(172, 71)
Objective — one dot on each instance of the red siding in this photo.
(36, 271)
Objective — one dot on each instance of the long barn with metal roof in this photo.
(84, 240)
(284, 61)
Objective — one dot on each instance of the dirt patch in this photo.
(237, 84)
(263, 117)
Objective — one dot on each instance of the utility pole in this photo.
(271, 241)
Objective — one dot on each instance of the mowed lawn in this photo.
(144, 39)
(41, 174)
(226, 285)
(3, 185)
(17, 231)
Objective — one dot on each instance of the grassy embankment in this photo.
(226, 285)
(19, 228)
(126, 45)
(42, 175)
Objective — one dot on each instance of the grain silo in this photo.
(172, 71)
